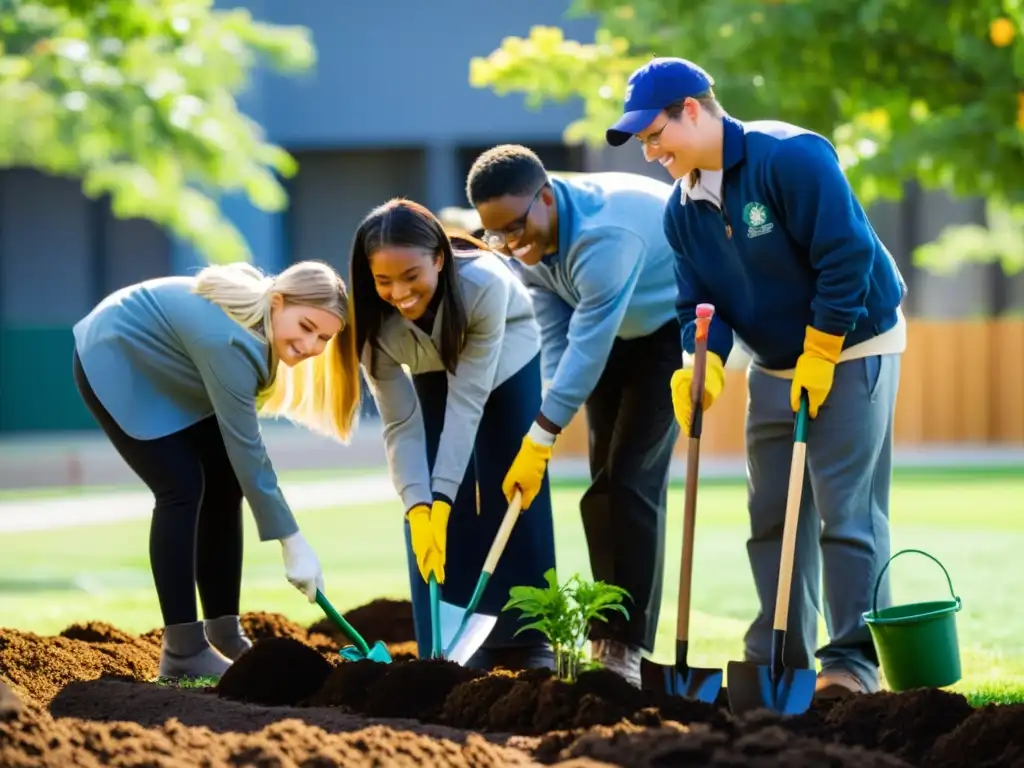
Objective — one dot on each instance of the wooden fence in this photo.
(960, 382)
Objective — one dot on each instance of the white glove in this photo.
(301, 565)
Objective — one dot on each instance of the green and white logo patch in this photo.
(755, 216)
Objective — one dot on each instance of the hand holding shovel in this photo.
(681, 679)
(474, 628)
(786, 691)
(361, 649)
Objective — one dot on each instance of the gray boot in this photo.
(225, 633)
(187, 653)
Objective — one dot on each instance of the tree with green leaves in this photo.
(905, 90)
(137, 100)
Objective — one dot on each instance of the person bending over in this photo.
(599, 269)
(176, 371)
(455, 315)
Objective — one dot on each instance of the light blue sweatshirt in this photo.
(161, 358)
(612, 277)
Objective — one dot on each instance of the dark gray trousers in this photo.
(633, 432)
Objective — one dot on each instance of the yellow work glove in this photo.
(429, 552)
(527, 470)
(815, 369)
(439, 513)
(714, 383)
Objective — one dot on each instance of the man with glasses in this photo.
(593, 253)
(767, 228)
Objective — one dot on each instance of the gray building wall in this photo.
(387, 111)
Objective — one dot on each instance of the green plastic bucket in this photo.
(916, 643)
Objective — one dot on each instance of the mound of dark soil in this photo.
(88, 678)
(536, 702)
(672, 744)
(991, 737)
(276, 671)
(903, 724)
(384, 619)
(34, 739)
(416, 688)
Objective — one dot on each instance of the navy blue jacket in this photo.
(791, 247)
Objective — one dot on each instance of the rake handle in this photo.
(700, 363)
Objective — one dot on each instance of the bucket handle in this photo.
(878, 581)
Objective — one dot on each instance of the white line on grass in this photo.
(96, 509)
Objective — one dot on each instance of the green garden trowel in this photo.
(361, 649)
(474, 627)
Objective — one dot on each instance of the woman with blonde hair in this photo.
(177, 371)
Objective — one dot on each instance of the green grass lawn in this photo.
(970, 521)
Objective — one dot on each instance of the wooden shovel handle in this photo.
(700, 355)
(504, 531)
(793, 499)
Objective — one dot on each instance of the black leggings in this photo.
(195, 538)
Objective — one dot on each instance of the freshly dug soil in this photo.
(672, 744)
(34, 739)
(298, 672)
(992, 737)
(40, 666)
(10, 704)
(414, 689)
(384, 619)
(81, 699)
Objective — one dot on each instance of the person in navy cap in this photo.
(765, 226)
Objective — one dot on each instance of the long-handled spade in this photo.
(360, 648)
(785, 690)
(475, 627)
(681, 679)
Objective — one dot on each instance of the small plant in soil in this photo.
(563, 614)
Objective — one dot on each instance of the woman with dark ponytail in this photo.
(454, 313)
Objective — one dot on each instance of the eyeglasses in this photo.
(498, 238)
(654, 140)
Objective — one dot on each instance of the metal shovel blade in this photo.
(698, 683)
(463, 631)
(751, 687)
(472, 635)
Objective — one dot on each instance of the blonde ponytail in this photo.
(321, 393)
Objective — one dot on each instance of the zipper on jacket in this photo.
(725, 218)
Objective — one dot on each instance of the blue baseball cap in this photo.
(653, 87)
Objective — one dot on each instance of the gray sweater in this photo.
(502, 336)
(160, 358)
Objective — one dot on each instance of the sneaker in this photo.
(837, 683)
(187, 653)
(620, 658)
(227, 636)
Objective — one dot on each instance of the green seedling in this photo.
(563, 614)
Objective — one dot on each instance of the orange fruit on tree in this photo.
(1001, 32)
